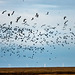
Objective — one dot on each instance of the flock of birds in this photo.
(14, 40)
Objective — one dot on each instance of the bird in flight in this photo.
(18, 18)
(64, 17)
(37, 15)
(8, 14)
(10, 22)
(47, 13)
(12, 12)
(32, 18)
(24, 20)
(65, 22)
(3, 11)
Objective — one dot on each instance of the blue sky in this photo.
(64, 4)
(50, 57)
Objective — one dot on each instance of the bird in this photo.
(65, 22)
(4, 24)
(47, 13)
(32, 18)
(8, 14)
(24, 20)
(49, 58)
(43, 25)
(4, 11)
(18, 18)
(64, 17)
(12, 13)
(10, 22)
(37, 15)
(50, 36)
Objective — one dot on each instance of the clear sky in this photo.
(59, 44)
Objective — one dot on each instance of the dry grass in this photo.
(38, 71)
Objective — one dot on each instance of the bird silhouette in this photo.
(32, 18)
(47, 13)
(65, 22)
(37, 15)
(8, 14)
(64, 17)
(10, 22)
(24, 20)
(12, 13)
(18, 18)
(30, 36)
(4, 11)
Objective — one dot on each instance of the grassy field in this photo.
(38, 71)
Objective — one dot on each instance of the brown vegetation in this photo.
(38, 71)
